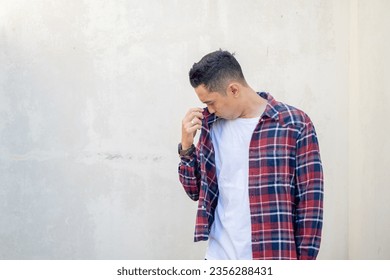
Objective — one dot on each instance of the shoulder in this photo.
(288, 115)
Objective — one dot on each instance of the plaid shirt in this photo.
(285, 183)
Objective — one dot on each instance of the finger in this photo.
(193, 118)
(195, 128)
(189, 128)
(192, 121)
(197, 109)
(196, 121)
(195, 112)
(198, 115)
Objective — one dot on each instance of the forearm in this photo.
(189, 176)
(309, 219)
(309, 195)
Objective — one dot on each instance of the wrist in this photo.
(185, 151)
(185, 145)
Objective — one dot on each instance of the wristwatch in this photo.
(186, 152)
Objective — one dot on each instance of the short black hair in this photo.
(215, 70)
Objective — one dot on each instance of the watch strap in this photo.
(186, 152)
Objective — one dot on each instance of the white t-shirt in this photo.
(230, 236)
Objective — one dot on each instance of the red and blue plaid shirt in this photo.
(285, 183)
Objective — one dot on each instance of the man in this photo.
(256, 169)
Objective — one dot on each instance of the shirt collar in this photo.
(208, 117)
(270, 110)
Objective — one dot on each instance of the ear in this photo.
(234, 89)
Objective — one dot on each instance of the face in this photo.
(224, 106)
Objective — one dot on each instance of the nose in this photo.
(211, 110)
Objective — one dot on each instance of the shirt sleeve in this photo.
(309, 194)
(189, 174)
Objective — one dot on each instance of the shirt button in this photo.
(203, 207)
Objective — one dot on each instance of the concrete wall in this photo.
(92, 94)
(369, 187)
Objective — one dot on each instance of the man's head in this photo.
(219, 82)
(215, 71)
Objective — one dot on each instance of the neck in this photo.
(252, 104)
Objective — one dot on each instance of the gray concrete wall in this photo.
(92, 94)
(369, 187)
